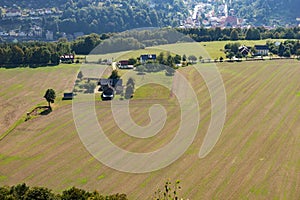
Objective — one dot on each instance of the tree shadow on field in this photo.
(46, 111)
(39, 110)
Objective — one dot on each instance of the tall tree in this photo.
(234, 35)
(50, 96)
(17, 55)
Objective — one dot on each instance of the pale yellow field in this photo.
(256, 157)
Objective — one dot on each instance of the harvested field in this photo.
(256, 157)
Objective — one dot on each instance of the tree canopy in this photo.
(50, 96)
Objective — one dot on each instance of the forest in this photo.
(267, 12)
(90, 16)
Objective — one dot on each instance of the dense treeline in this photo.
(32, 53)
(24, 192)
(215, 34)
(118, 15)
(285, 49)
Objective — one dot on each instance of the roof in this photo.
(67, 56)
(244, 49)
(111, 82)
(261, 47)
(124, 62)
(68, 95)
(105, 82)
(148, 57)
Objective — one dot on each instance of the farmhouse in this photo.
(261, 50)
(124, 64)
(147, 57)
(67, 58)
(108, 94)
(111, 83)
(244, 50)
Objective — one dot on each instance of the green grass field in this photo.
(256, 157)
(208, 50)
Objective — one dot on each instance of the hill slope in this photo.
(267, 12)
(101, 16)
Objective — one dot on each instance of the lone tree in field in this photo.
(50, 96)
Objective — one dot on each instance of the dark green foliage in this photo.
(114, 74)
(50, 96)
(267, 12)
(234, 35)
(177, 59)
(19, 191)
(75, 193)
(252, 34)
(32, 53)
(23, 192)
(91, 16)
(132, 61)
(285, 49)
(39, 193)
(232, 47)
(217, 34)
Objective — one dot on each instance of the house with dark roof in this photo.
(147, 57)
(108, 94)
(261, 50)
(67, 58)
(244, 50)
(124, 64)
(116, 84)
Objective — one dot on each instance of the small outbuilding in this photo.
(68, 96)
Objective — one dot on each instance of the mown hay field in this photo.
(256, 157)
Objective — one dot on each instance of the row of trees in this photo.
(32, 53)
(285, 49)
(215, 34)
(24, 192)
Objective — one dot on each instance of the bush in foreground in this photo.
(24, 192)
